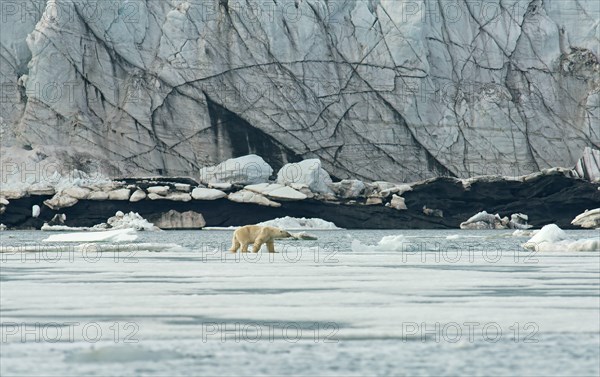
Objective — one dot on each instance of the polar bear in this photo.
(258, 235)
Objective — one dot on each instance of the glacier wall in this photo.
(377, 89)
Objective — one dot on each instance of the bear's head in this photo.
(282, 233)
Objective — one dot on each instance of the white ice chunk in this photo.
(552, 238)
(295, 223)
(35, 210)
(119, 235)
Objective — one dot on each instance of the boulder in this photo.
(200, 193)
(246, 170)
(276, 191)
(119, 194)
(374, 200)
(397, 202)
(159, 190)
(348, 188)
(433, 212)
(13, 194)
(137, 196)
(98, 195)
(183, 187)
(40, 189)
(59, 201)
(247, 196)
(180, 220)
(589, 219)
(79, 193)
(174, 196)
(35, 210)
(224, 186)
(308, 172)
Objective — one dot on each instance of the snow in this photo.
(295, 223)
(119, 235)
(552, 238)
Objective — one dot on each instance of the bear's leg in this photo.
(257, 245)
(235, 245)
(244, 248)
(271, 246)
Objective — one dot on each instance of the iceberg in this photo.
(552, 238)
(295, 223)
(387, 243)
(588, 219)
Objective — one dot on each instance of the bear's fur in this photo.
(257, 235)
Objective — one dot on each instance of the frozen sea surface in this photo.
(474, 304)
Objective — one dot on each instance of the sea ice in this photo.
(119, 235)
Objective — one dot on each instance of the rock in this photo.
(153, 196)
(220, 186)
(246, 196)
(159, 190)
(276, 191)
(589, 219)
(137, 196)
(303, 189)
(177, 220)
(348, 188)
(588, 166)
(246, 170)
(119, 194)
(200, 193)
(40, 189)
(183, 187)
(174, 196)
(35, 210)
(178, 197)
(59, 201)
(13, 194)
(308, 172)
(79, 193)
(4, 201)
(98, 195)
(397, 202)
(58, 219)
(433, 212)
(2, 227)
(374, 200)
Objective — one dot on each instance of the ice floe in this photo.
(295, 223)
(119, 235)
(552, 238)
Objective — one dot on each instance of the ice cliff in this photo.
(375, 88)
